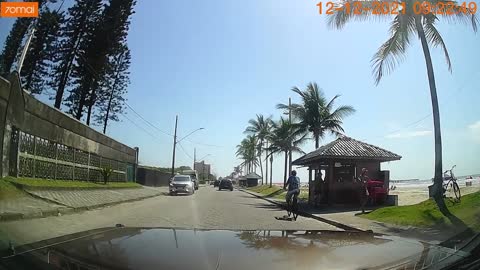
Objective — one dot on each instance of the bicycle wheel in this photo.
(456, 190)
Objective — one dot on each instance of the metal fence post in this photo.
(88, 167)
(34, 156)
(73, 173)
(56, 161)
(19, 141)
(101, 166)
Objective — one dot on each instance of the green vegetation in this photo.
(266, 190)
(302, 197)
(426, 213)
(277, 192)
(314, 115)
(8, 190)
(47, 183)
(106, 173)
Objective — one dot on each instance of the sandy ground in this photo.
(414, 195)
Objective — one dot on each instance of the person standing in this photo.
(363, 189)
(318, 189)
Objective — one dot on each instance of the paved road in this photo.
(207, 209)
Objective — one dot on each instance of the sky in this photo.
(216, 64)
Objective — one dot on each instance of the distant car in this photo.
(216, 183)
(225, 184)
(182, 184)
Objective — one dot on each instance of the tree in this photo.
(12, 43)
(315, 114)
(246, 150)
(403, 27)
(268, 137)
(184, 168)
(111, 98)
(286, 137)
(107, 39)
(82, 18)
(37, 63)
(259, 127)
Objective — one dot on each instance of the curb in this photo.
(306, 214)
(7, 216)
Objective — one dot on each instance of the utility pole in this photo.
(194, 157)
(174, 144)
(290, 120)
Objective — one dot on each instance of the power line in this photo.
(138, 126)
(185, 152)
(146, 121)
(204, 144)
(428, 115)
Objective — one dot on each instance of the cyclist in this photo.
(293, 184)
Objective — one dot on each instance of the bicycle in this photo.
(292, 206)
(453, 180)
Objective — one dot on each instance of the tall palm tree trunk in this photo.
(261, 166)
(271, 170)
(438, 179)
(266, 164)
(317, 141)
(286, 167)
(289, 162)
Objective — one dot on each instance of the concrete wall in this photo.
(22, 111)
(151, 177)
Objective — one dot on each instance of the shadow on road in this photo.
(264, 206)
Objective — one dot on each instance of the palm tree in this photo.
(247, 150)
(286, 137)
(268, 136)
(259, 128)
(405, 25)
(315, 114)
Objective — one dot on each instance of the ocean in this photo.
(417, 183)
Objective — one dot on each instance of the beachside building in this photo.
(339, 163)
(249, 180)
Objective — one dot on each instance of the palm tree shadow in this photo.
(460, 226)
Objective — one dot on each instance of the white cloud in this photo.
(475, 130)
(411, 134)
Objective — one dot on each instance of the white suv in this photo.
(181, 184)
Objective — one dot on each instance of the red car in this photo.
(377, 190)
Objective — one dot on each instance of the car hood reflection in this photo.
(166, 248)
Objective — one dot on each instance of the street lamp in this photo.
(175, 142)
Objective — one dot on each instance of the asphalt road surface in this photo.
(208, 208)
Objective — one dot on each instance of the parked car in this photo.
(182, 184)
(216, 183)
(225, 184)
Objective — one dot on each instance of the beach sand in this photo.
(414, 195)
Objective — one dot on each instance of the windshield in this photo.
(319, 116)
(181, 179)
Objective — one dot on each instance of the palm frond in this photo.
(342, 112)
(466, 16)
(342, 15)
(393, 50)
(434, 37)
